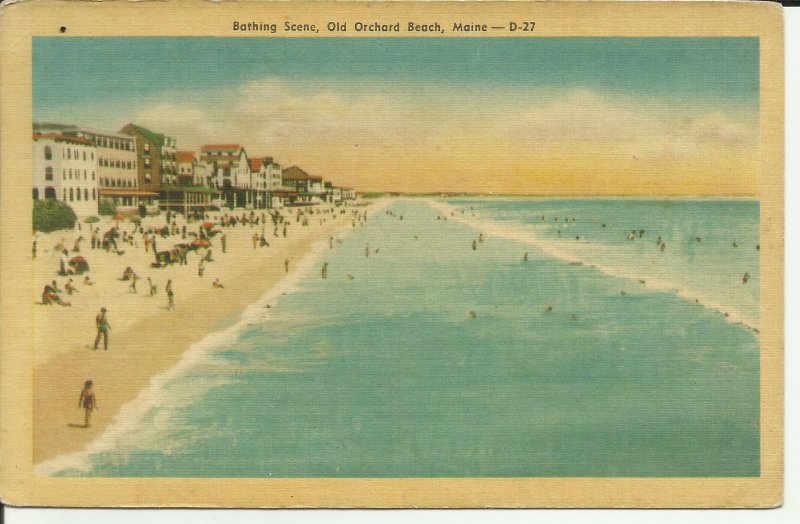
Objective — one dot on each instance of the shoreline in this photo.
(139, 352)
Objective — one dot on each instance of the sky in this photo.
(548, 116)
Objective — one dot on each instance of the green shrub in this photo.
(107, 207)
(50, 215)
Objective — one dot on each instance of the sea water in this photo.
(419, 356)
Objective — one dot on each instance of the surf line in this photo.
(131, 415)
(503, 231)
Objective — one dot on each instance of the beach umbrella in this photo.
(117, 218)
(92, 220)
(201, 242)
(208, 225)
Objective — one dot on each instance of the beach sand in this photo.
(146, 338)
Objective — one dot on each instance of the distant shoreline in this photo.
(478, 196)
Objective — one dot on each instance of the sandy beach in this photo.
(146, 338)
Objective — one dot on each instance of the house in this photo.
(308, 188)
(265, 177)
(229, 172)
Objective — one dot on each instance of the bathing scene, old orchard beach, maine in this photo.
(374, 257)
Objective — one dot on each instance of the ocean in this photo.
(575, 347)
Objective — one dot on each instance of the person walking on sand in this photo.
(201, 267)
(286, 265)
(134, 279)
(153, 288)
(103, 327)
(255, 240)
(170, 296)
(324, 270)
(330, 243)
(88, 402)
(224, 241)
(474, 245)
(366, 251)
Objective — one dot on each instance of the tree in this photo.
(106, 207)
(50, 215)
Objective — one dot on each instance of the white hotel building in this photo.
(65, 169)
(117, 171)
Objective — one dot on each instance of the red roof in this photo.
(59, 136)
(256, 163)
(185, 156)
(215, 147)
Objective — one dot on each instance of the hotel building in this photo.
(65, 169)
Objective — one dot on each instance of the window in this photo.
(69, 154)
(65, 194)
(48, 173)
(84, 155)
(78, 194)
(92, 175)
(48, 154)
(70, 174)
(71, 195)
(63, 174)
(86, 194)
(84, 174)
(94, 194)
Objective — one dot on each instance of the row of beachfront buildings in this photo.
(137, 169)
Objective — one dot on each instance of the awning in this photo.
(125, 192)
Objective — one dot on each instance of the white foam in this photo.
(553, 249)
(130, 417)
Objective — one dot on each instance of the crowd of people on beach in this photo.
(170, 243)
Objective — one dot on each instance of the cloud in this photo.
(435, 136)
(625, 124)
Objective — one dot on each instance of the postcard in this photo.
(392, 254)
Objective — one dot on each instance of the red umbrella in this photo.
(208, 225)
(201, 242)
